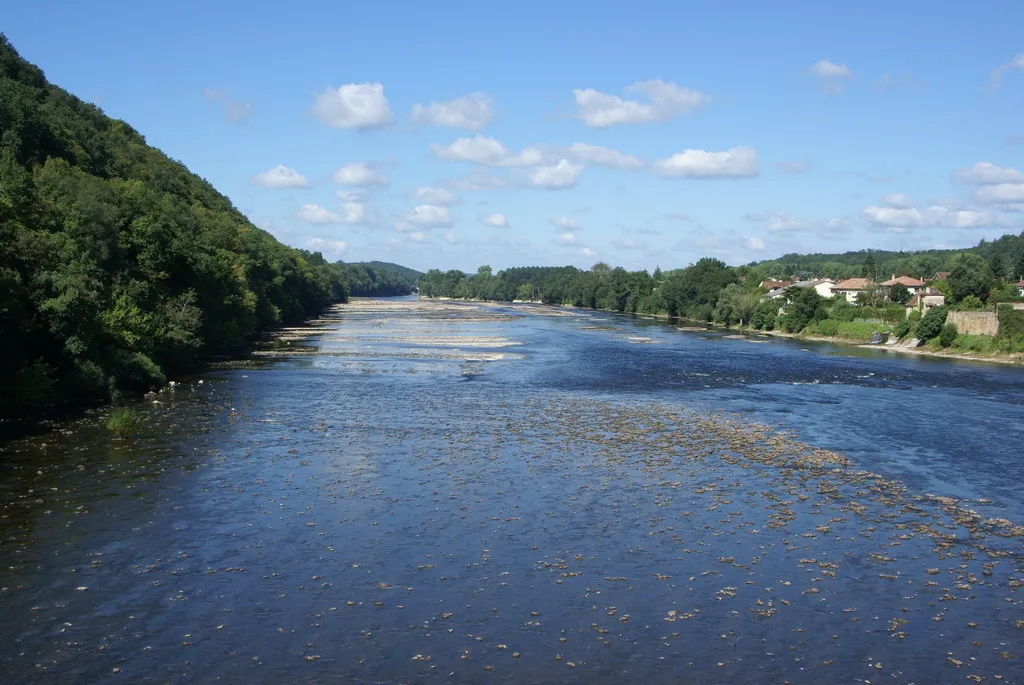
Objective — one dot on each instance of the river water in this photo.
(453, 492)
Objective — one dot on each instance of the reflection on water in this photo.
(467, 493)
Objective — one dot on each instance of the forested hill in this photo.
(1006, 254)
(380, 279)
(117, 265)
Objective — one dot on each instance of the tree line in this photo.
(379, 279)
(710, 291)
(117, 265)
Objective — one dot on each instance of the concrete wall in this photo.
(974, 323)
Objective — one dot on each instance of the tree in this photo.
(804, 307)
(969, 275)
(869, 270)
(899, 293)
(997, 266)
(948, 335)
(931, 323)
(735, 305)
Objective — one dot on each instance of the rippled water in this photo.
(466, 493)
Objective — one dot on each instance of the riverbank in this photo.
(1014, 359)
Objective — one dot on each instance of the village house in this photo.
(822, 286)
(1020, 287)
(852, 287)
(912, 284)
(940, 276)
(925, 299)
(774, 285)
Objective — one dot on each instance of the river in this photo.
(456, 492)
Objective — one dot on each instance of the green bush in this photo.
(123, 421)
(1011, 321)
(931, 323)
(828, 327)
(901, 329)
(948, 335)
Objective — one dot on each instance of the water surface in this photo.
(471, 493)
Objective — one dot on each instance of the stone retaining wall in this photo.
(974, 323)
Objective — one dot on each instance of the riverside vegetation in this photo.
(118, 265)
(709, 291)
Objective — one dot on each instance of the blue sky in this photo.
(454, 134)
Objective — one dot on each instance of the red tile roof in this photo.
(904, 280)
(853, 284)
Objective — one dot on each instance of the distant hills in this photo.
(380, 279)
(1006, 255)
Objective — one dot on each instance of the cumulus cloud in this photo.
(360, 174)
(667, 101)
(429, 216)
(602, 156)
(738, 162)
(434, 196)
(315, 214)
(754, 243)
(281, 176)
(898, 201)
(986, 172)
(361, 106)
(997, 73)
(485, 151)
(480, 179)
(568, 239)
(236, 111)
(350, 195)
(565, 223)
(998, 187)
(935, 216)
(471, 112)
(780, 222)
(495, 220)
(329, 248)
(586, 252)
(555, 177)
(832, 77)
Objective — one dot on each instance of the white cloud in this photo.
(986, 172)
(935, 216)
(557, 177)
(434, 196)
(795, 167)
(236, 111)
(355, 105)
(1009, 194)
(350, 195)
(450, 237)
(470, 112)
(486, 151)
(780, 222)
(315, 214)
(566, 224)
(329, 248)
(754, 243)
(360, 174)
(480, 179)
(495, 220)
(997, 73)
(281, 176)
(738, 162)
(667, 101)
(418, 236)
(586, 252)
(602, 156)
(831, 76)
(898, 201)
(429, 216)
(568, 240)
(355, 213)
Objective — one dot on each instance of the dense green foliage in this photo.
(118, 265)
(379, 279)
(901, 329)
(1011, 322)
(948, 335)
(931, 323)
(1006, 254)
(123, 421)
